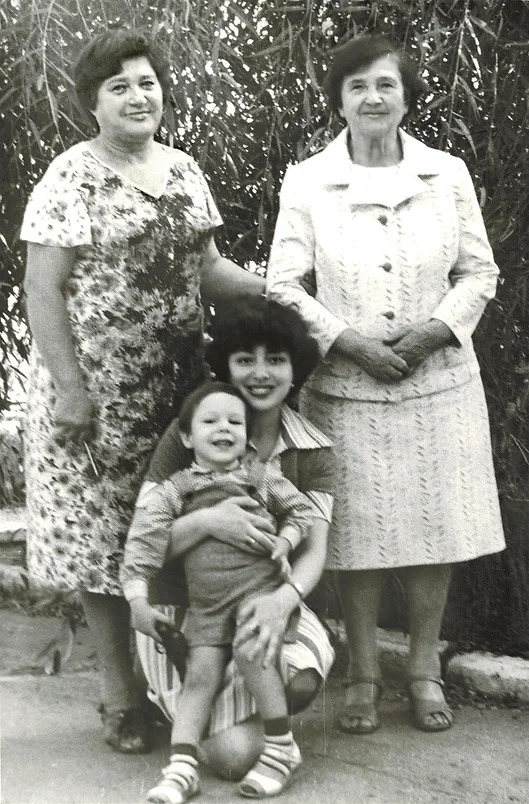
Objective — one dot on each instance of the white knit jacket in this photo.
(383, 261)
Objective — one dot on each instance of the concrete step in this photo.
(13, 536)
(12, 525)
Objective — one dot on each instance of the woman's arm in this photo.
(230, 521)
(290, 267)
(473, 279)
(262, 621)
(169, 456)
(48, 269)
(475, 274)
(291, 264)
(221, 279)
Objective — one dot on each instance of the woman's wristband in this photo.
(298, 587)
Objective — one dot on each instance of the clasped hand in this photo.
(415, 345)
(396, 358)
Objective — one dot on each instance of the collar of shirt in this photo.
(204, 470)
(418, 161)
(297, 433)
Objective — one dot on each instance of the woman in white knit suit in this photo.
(390, 235)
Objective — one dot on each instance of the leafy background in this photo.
(247, 102)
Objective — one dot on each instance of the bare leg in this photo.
(109, 623)
(204, 672)
(280, 756)
(359, 592)
(426, 589)
(265, 684)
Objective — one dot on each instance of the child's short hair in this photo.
(193, 400)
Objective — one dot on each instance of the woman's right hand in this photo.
(234, 522)
(74, 416)
(145, 618)
(374, 356)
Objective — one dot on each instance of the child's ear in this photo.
(186, 440)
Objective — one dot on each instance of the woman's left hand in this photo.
(415, 345)
(261, 626)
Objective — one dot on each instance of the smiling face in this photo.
(264, 378)
(129, 104)
(218, 431)
(372, 99)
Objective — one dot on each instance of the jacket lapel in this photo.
(418, 162)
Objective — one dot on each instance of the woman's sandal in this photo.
(361, 717)
(126, 730)
(259, 784)
(424, 709)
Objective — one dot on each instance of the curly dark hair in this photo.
(193, 400)
(253, 321)
(362, 51)
(103, 57)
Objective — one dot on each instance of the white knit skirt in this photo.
(414, 480)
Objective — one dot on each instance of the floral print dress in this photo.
(133, 300)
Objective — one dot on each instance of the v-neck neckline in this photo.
(130, 182)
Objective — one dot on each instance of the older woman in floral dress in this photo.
(120, 246)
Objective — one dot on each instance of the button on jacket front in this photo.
(383, 261)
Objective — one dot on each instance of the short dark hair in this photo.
(193, 400)
(361, 52)
(103, 57)
(252, 321)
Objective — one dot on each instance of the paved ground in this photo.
(51, 751)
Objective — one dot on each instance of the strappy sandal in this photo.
(352, 714)
(424, 709)
(126, 730)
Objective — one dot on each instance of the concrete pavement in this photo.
(52, 752)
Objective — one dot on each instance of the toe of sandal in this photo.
(361, 717)
(429, 714)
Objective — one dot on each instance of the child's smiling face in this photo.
(218, 431)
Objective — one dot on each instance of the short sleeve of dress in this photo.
(56, 214)
(205, 198)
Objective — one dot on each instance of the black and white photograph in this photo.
(264, 401)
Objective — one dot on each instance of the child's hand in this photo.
(145, 617)
(280, 553)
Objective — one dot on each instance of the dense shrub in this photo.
(246, 103)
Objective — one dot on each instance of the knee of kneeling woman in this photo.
(231, 753)
(302, 689)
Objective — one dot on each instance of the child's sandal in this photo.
(179, 782)
(258, 783)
